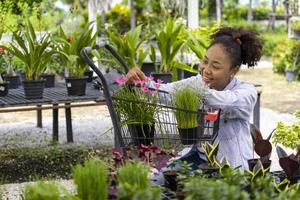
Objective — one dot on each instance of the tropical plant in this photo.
(91, 180)
(187, 101)
(170, 40)
(211, 152)
(34, 53)
(134, 183)
(135, 104)
(288, 135)
(199, 39)
(70, 45)
(128, 46)
(42, 191)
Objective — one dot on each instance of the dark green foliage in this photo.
(91, 180)
(25, 164)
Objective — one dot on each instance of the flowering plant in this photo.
(136, 103)
(70, 46)
(150, 154)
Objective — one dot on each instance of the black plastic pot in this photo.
(148, 68)
(252, 163)
(14, 81)
(171, 180)
(3, 89)
(142, 134)
(76, 86)
(89, 75)
(188, 135)
(49, 80)
(166, 78)
(34, 89)
(294, 179)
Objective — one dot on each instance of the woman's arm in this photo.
(235, 103)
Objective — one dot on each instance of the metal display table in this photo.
(54, 98)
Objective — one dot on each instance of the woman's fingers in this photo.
(135, 74)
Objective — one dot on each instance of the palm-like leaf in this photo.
(34, 53)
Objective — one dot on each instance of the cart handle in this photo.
(85, 56)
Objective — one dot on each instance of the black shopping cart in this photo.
(163, 131)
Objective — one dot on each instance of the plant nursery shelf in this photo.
(53, 98)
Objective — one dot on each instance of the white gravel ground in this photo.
(92, 131)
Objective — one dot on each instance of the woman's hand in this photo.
(135, 74)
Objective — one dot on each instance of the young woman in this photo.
(230, 48)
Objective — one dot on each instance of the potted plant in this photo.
(35, 54)
(295, 28)
(170, 40)
(290, 164)
(3, 87)
(136, 106)
(291, 71)
(262, 147)
(187, 101)
(69, 48)
(10, 76)
(128, 46)
(49, 77)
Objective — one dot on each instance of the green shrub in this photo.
(288, 135)
(25, 164)
(119, 17)
(91, 180)
(42, 191)
(271, 40)
(284, 56)
(261, 13)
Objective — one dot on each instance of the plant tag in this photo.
(2, 88)
(69, 85)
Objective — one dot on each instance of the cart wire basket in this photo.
(163, 130)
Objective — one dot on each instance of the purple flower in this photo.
(121, 80)
(150, 78)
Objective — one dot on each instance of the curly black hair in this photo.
(243, 46)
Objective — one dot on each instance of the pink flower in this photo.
(150, 78)
(144, 89)
(121, 80)
(2, 51)
(156, 85)
(159, 81)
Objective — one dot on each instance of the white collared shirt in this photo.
(236, 101)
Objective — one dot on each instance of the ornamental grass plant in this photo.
(187, 101)
(42, 191)
(91, 180)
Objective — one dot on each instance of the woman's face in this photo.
(216, 68)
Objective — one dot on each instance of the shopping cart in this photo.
(164, 130)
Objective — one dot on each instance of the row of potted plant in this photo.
(165, 50)
(37, 52)
(130, 180)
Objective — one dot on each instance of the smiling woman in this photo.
(229, 49)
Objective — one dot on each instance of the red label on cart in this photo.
(211, 116)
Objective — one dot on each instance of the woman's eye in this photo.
(205, 62)
(216, 67)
